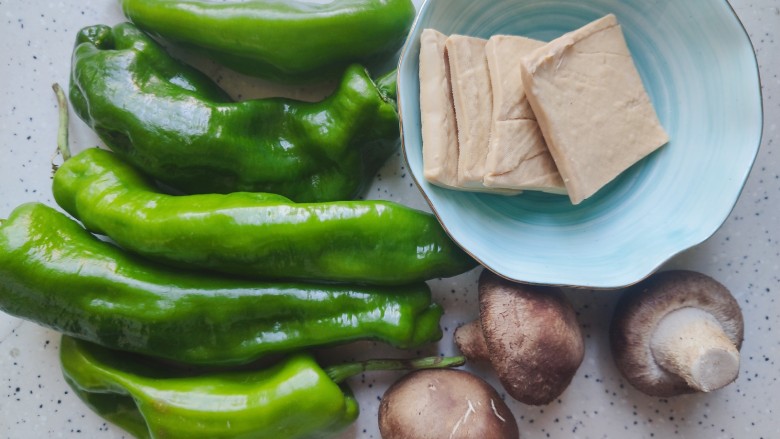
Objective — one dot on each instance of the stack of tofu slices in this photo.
(511, 114)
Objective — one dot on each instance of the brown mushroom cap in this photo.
(533, 338)
(641, 309)
(444, 404)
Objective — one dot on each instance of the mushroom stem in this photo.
(471, 341)
(690, 343)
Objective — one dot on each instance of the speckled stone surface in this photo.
(35, 42)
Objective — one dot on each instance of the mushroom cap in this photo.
(533, 337)
(444, 404)
(642, 307)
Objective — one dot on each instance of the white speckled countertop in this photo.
(36, 40)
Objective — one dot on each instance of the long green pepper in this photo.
(295, 398)
(55, 273)
(283, 40)
(177, 125)
(257, 235)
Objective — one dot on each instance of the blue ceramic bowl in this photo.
(700, 70)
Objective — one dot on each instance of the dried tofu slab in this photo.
(473, 101)
(437, 112)
(591, 105)
(517, 156)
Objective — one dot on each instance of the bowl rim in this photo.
(661, 260)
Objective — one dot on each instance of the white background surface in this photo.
(35, 42)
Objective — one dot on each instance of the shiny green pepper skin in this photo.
(175, 124)
(55, 273)
(253, 234)
(282, 40)
(292, 399)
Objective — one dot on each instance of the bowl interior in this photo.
(700, 71)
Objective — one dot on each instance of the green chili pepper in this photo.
(294, 398)
(55, 273)
(290, 40)
(254, 234)
(175, 124)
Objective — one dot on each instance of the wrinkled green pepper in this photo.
(294, 398)
(57, 274)
(175, 124)
(283, 40)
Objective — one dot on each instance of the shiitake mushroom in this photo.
(677, 332)
(529, 334)
(444, 404)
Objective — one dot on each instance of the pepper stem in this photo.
(387, 84)
(62, 132)
(341, 372)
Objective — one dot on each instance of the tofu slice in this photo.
(591, 106)
(473, 101)
(437, 112)
(504, 54)
(525, 166)
(517, 156)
